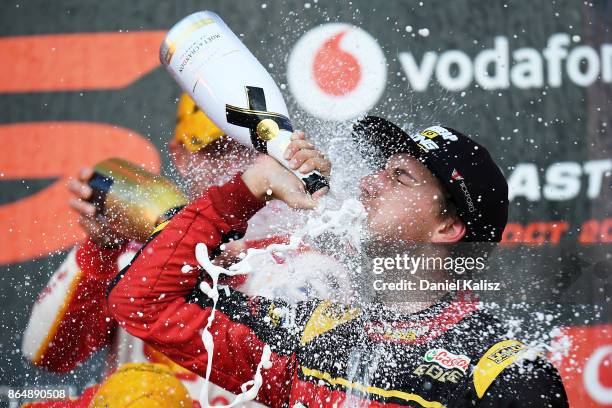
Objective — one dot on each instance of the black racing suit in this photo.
(450, 355)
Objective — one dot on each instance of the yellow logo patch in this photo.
(494, 361)
(505, 353)
(327, 316)
(429, 133)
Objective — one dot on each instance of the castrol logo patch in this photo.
(447, 359)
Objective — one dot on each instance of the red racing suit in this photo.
(70, 320)
(323, 354)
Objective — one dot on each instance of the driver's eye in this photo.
(405, 178)
(402, 176)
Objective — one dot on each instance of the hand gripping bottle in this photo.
(230, 85)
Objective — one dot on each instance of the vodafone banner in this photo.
(81, 81)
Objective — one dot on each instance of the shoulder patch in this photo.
(494, 361)
(325, 317)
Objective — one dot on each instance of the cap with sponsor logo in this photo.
(476, 184)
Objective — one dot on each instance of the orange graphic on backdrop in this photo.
(42, 223)
(64, 62)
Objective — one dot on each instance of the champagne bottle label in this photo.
(230, 85)
(222, 76)
(263, 125)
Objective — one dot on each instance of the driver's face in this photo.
(403, 201)
(214, 164)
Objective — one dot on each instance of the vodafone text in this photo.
(500, 68)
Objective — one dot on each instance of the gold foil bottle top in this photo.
(132, 199)
(267, 129)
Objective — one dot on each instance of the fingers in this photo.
(320, 193)
(80, 189)
(302, 156)
(82, 207)
(79, 186)
(267, 174)
(295, 146)
(306, 161)
(299, 200)
(316, 163)
(85, 174)
(287, 188)
(298, 135)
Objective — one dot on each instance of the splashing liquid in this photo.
(362, 366)
(247, 394)
(351, 212)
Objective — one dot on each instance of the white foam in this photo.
(344, 221)
(247, 394)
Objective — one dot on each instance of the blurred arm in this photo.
(70, 319)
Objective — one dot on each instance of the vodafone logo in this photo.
(337, 71)
(597, 375)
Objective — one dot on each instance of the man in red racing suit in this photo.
(450, 354)
(70, 321)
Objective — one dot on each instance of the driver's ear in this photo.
(449, 231)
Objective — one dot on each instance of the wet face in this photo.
(404, 202)
(212, 165)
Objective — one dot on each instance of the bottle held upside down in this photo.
(229, 84)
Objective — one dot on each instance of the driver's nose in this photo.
(372, 183)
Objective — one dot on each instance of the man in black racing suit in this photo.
(448, 354)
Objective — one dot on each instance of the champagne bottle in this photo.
(230, 85)
(133, 200)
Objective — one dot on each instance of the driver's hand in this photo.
(268, 179)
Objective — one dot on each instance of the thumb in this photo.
(300, 201)
(296, 197)
(320, 193)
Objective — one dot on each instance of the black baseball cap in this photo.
(478, 188)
